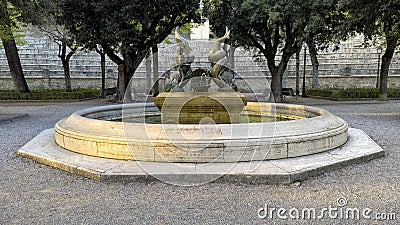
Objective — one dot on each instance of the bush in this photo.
(394, 93)
(351, 93)
(45, 94)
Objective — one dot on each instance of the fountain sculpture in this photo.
(222, 106)
(201, 126)
(204, 128)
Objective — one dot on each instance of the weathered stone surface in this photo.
(315, 131)
(195, 107)
(359, 148)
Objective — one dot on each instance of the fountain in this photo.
(201, 128)
(222, 106)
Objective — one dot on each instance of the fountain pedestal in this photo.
(200, 107)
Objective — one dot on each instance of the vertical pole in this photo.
(148, 73)
(298, 72)
(156, 88)
(303, 94)
(103, 72)
(378, 74)
(315, 75)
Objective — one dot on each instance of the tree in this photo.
(7, 24)
(380, 18)
(126, 30)
(44, 14)
(325, 31)
(66, 47)
(102, 54)
(270, 26)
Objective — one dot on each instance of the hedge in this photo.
(351, 93)
(45, 94)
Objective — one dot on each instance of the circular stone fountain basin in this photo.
(91, 132)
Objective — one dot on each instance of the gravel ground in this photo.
(31, 193)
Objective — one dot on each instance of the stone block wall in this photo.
(350, 66)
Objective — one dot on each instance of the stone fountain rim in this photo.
(150, 142)
(78, 123)
(97, 109)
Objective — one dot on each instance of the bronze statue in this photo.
(219, 61)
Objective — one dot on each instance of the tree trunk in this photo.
(314, 61)
(126, 68)
(124, 77)
(125, 74)
(298, 72)
(65, 58)
(131, 63)
(10, 47)
(277, 74)
(67, 76)
(386, 60)
(14, 63)
(120, 83)
(156, 88)
(103, 72)
(270, 50)
(148, 72)
(276, 86)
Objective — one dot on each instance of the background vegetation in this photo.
(351, 93)
(45, 94)
(128, 31)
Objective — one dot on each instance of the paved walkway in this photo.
(34, 193)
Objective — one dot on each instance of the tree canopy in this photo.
(127, 30)
(376, 19)
(9, 23)
(130, 28)
(272, 27)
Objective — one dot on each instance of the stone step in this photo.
(40, 56)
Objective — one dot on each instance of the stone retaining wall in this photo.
(350, 66)
(141, 86)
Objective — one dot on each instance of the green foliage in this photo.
(125, 25)
(324, 26)
(125, 30)
(18, 35)
(351, 93)
(10, 26)
(45, 94)
(36, 12)
(376, 19)
(183, 29)
(373, 18)
(254, 23)
(19, 14)
(273, 27)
